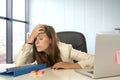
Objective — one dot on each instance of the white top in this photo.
(68, 54)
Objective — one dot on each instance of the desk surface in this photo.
(50, 74)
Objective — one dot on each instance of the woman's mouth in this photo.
(37, 46)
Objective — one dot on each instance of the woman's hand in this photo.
(37, 30)
(65, 65)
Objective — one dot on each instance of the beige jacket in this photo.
(68, 54)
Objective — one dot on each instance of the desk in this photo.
(55, 75)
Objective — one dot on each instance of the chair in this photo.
(76, 39)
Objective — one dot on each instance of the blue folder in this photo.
(24, 70)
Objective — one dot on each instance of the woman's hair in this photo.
(54, 52)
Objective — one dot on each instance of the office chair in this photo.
(76, 39)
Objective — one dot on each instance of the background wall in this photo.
(86, 16)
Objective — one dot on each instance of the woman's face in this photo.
(42, 42)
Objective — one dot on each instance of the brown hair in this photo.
(54, 57)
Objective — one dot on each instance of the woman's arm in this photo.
(68, 54)
(24, 56)
(65, 65)
(85, 60)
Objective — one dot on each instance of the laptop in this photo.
(107, 57)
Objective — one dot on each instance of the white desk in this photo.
(55, 75)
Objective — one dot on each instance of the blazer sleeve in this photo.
(85, 60)
(24, 56)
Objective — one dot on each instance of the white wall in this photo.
(86, 16)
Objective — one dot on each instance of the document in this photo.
(4, 67)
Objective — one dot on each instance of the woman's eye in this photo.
(41, 38)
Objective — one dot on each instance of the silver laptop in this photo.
(107, 57)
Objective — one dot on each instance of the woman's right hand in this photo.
(37, 30)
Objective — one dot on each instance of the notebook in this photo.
(107, 57)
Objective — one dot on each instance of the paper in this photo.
(117, 57)
(3, 67)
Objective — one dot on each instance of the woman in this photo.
(43, 46)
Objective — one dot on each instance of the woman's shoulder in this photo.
(63, 46)
(64, 49)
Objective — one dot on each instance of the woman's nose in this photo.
(37, 41)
